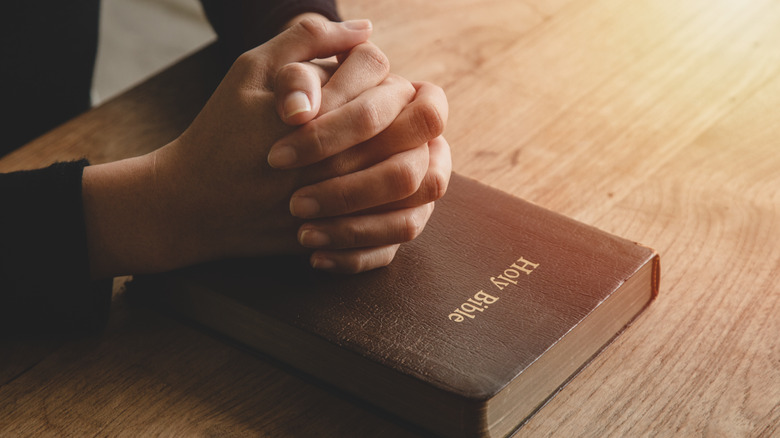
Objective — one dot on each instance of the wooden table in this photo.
(657, 120)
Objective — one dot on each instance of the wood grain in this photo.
(657, 120)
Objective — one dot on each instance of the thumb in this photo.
(310, 39)
(298, 91)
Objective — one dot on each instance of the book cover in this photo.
(471, 329)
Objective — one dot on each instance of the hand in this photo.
(210, 193)
(370, 239)
(366, 235)
(382, 219)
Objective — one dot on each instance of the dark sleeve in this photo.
(244, 24)
(47, 53)
(44, 265)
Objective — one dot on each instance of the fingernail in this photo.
(295, 103)
(282, 156)
(304, 206)
(358, 24)
(314, 238)
(322, 263)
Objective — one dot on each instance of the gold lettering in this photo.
(480, 300)
(470, 308)
(499, 284)
(485, 298)
(508, 273)
(526, 264)
(462, 313)
(471, 300)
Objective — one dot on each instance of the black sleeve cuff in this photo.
(44, 266)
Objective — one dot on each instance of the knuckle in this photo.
(317, 139)
(292, 70)
(413, 225)
(313, 29)
(347, 200)
(341, 164)
(400, 86)
(354, 265)
(393, 79)
(245, 62)
(374, 59)
(427, 120)
(435, 185)
(404, 179)
(250, 68)
(407, 89)
(369, 119)
(348, 161)
(361, 261)
(434, 89)
(352, 234)
(386, 256)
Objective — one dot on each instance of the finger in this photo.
(391, 180)
(357, 121)
(311, 39)
(422, 120)
(367, 230)
(365, 66)
(353, 261)
(298, 91)
(434, 184)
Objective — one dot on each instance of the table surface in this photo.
(657, 120)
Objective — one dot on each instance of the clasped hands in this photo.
(291, 154)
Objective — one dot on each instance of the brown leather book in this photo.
(472, 329)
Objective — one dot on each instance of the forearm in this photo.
(117, 213)
(129, 220)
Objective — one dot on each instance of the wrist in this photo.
(126, 218)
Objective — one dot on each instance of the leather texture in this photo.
(398, 316)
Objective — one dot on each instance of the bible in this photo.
(472, 328)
